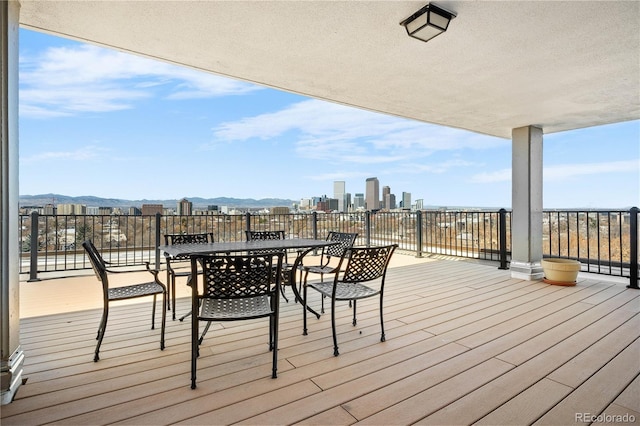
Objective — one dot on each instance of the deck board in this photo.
(465, 343)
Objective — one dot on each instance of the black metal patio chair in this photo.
(235, 287)
(286, 266)
(330, 258)
(114, 294)
(173, 264)
(364, 265)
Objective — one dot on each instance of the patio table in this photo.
(303, 245)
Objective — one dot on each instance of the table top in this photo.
(235, 246)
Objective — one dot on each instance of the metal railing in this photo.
(605, 242)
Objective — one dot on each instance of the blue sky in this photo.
(98, 122)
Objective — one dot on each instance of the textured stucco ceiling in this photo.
(559, 65)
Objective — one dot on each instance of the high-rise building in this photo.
(420, 204)
(184, 207)
(386, 191)
(358, 201)
(339, 192)
(372, 200)
(390, 201)
(406, 200)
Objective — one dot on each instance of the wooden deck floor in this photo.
(465, 344)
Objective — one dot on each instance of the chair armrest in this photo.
(147, 265)
(153, 272)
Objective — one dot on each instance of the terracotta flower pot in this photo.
(560, 271)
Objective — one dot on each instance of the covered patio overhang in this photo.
(507, 69)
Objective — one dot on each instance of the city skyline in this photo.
(100, 122)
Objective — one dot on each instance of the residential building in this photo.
(151, 209)
(184, 207)
(305, 204)
(279, 210)
(49, 209)
(70, 209)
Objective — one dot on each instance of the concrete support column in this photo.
(526, 198)
(12, 354)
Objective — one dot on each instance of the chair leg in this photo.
(164, 318)
(153, 313)
(184, 316)
(354, 314)
(194, 350)
(271, 348)
(304, 308)
(333, 327)
(169, 288)
(172, 298)
(174, 303)
(101, 331)
(274, 373)
(206, 328)
(382, 337)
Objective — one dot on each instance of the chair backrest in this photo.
(345, 240)
(367, 264)
(98, 264)
(264, 235)
(238, 276)
(174, 239)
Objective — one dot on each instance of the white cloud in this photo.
(440, 167)
(330, 177)
(82, 154)
(562, 172)
(331, 132)
(503, 175)
(70, 80)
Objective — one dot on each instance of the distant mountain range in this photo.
(91, 201)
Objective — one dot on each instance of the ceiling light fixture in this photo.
(428, 22)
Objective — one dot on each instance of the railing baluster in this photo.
(419, 233)
(502, 227)
(157, 240)
(33, 258)
(633, 249)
